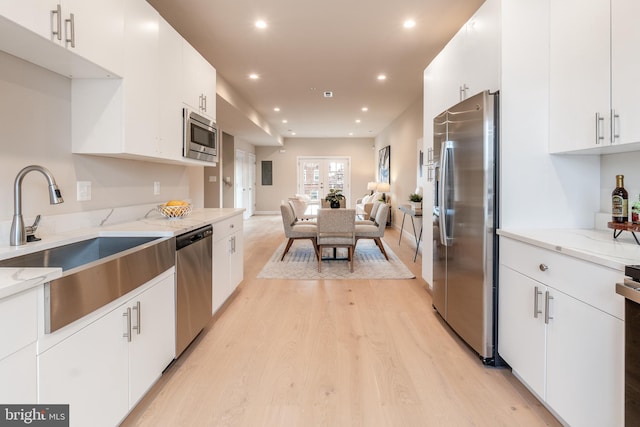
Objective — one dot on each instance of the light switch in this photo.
(156, 188)
(83, 191)
(213, 178)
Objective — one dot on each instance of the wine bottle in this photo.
(619, 201)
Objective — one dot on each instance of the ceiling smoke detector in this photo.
(328, 94)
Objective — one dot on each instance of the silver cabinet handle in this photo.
(137, 325)
(543, 267)
(599, 122)
(615, 118)
(536, 309)
(71, 34)
(127, 334)
(204, 99)
(55, 29)
(547, 298)
(463, 91)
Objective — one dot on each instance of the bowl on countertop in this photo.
(174, 212)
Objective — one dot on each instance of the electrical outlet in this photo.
(156, 188)
(83, 191)
(213, 178)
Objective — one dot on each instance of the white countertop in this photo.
(14, 280)
(597, 246)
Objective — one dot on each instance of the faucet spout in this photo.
(18, 233)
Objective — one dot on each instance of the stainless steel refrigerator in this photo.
(465, 147)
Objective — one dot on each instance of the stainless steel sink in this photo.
(96, 272)
(77, 254)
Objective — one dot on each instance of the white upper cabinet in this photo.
(170, 79)
(199, 82)
(579, 74)
(625, 69)
(141, 79)
(93, 29)
(593, 71)
(38, 16)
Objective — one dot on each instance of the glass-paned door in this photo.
(316, 175)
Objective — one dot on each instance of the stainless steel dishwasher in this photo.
(193, 284)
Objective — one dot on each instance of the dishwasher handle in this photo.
(194, 236)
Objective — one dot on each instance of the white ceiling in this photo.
(310, 47)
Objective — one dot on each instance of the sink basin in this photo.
(96, 272)
(77, 254)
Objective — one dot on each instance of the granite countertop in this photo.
(596, 246)
(14, 280)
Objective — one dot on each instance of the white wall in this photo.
(360, 150)
(35, 128)
(403, 135)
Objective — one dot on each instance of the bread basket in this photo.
(174, 212)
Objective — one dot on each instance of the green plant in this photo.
(334, 196)
(414, 197)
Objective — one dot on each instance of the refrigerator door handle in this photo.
(445, 240)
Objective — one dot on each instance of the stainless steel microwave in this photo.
(200, 137)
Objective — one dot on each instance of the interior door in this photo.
(317, 175)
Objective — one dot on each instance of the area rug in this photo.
(300, 263)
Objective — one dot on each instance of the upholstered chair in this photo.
(300, 208)
(336, 229)
(294, 230)
(374, 229)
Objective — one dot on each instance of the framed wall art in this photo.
(384, 162)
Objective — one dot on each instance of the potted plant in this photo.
(334, 197)
(416, 202)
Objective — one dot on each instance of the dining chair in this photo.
(294, 230)
(336, 229)
(374, 229)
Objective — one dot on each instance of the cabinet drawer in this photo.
(226, 227)
(583, 280)
(19, 320)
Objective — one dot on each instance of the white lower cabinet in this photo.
(560, 329)
(18, 335)
(103, 369)
(19, 370)
(228, 264)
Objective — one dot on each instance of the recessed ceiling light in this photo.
(276, 109)
(357, 120)
(350, 133)
(409, 23)
(285, 121)
(292, 133)
(261, 24)
(254, 76)
(382, 77)
(365, 109)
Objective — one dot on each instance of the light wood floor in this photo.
(332, 353)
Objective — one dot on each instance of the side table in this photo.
(406, 210)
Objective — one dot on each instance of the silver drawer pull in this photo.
(543, 267)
